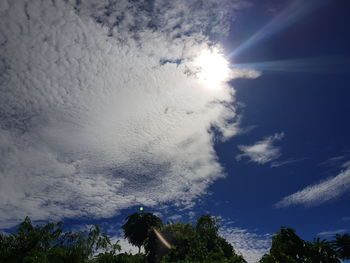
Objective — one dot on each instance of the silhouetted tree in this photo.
(288, 247)
(199, 243)
(320, 250)
(50, 244)
(138, 226)
(342, 245)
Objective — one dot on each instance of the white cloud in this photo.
(246, 73)
(335, 159)
(175, 218)
(327, 190)
(191, 214)
(159, 214)
(345, 165)
(126, 246)
(332, 233)
(262, 151)
(341, 161)
(175, 17)
(285, 162)
(250, 245)
(91, 122)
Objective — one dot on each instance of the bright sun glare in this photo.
(213, 68)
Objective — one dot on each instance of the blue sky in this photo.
(310, 107)
(108, 110)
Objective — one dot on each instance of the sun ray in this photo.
(294, 12)
(328, 64)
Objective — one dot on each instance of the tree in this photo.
(196, 244)
(50, 244)
(288, 247)
(207, 227)
(321, 251)
(178, 235)
(30, 243)
(138, 226)
(342, 245)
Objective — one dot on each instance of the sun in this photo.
(213, 68)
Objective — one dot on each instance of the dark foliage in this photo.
(342, 245)
(184, 243)
(200, 243)
(50, 244)
(138, 226)
(288, 247)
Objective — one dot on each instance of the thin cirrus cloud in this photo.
(91, 122)
(263, 151)
(341, 161)
(332, 233)
(285, 162)
(317, 194)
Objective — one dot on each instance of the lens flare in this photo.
(162, 239)
(213, 68)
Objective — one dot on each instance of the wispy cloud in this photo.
(244, 73)
(288, 161)
(263, 151)
(329, 189)
(335, 159)
(332, 233)
(340, 161)
(91, 121)
(345, 165)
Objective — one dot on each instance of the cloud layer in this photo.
(98, 112)
(320, 193)
(263, 151)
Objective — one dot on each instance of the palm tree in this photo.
(342, 245)
(137, 227)
(320, 250)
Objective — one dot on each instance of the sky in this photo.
(234, 108)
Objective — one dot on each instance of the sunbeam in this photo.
(329, 64)
(294, 12)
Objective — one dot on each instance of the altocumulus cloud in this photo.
(250, 245)
(101, 107)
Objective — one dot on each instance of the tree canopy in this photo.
(50, 244)
(199, 243)
(169, 243)
(342, 245)
(137, 227)
(288, 247)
